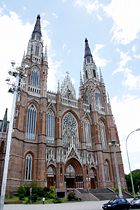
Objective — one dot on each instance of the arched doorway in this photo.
(93, 178)
(73, 174)
(51, 176)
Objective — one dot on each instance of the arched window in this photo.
(50, 171)
(34, 81)
(69, 130)
(87, 132)
(102, 134)
(70, 172)
(106, 170)
(28, 167)
(37, 50)
(31, 122)
(50, 126)
(98, 98)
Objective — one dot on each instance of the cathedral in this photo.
(60, 140)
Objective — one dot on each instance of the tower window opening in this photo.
(94, 73)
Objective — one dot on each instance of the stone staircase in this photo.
(98, 194)
(85, 195)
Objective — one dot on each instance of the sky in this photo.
(112, 28)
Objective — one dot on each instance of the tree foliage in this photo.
(136, 181)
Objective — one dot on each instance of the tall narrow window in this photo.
(28, 167)
(87, 132)
(98, 98)
(31, 123)
(106, 169)
(35, 77)
(102, 134)
(37, 50)
(50, 126)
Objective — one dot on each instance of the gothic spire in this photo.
(37, 29)
(89, 68)
(81, 81)
(87, 49)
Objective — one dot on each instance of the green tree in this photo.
(136, 181)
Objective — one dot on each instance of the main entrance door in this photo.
(73, 174)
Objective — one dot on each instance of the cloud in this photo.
(126, 17)
(130, 80)
(14, 38)
(126, 113)
(66, 49)
(55, 15)
(100, 61)
(89, 5)
(123, 61)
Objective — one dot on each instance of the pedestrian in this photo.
(43, 200)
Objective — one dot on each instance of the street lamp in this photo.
(18, 74)
(131, 177)
(114, 144)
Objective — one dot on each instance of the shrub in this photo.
(21, 192)
(71, 196)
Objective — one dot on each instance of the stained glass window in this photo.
(28, 167)
(50, 125)
(69, 130)
(70, 172)
(106, 168)
(87, 131)
(102, 134)
(31, 122)
(34, 81)
(98, 98)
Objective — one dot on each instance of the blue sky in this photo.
(113, 30)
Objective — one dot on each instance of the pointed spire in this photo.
(81, 81)
(3, 127)
(87, 49)
(37, 29)
(45, 55)
(58, 87)
(101, 77)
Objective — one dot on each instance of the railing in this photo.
(34, 89)
(86, 107)
(69, 102)
(51, 97)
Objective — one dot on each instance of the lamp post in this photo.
(131, 177)
(18, 74)
(114, 144)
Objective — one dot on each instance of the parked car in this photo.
(117, 204)
(135, 203)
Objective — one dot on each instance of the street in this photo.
(84, 205)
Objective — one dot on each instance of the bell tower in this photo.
(36, 62)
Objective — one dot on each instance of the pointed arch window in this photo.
(98, 98)
(50, 171)
(37, 50)
(102, 134)
(35, 77)
(31, 122)
(87, 132)
(106, 170)
(70, 130)
(50, 126)
(70, 171)
(28, 167)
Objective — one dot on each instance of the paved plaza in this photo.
(84, 205)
